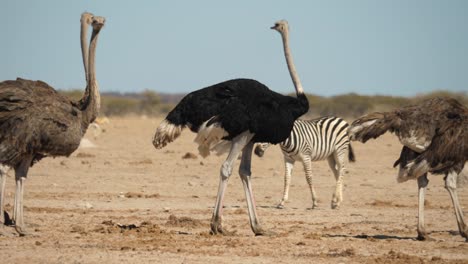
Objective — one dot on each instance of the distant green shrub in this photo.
(118, 106)
(149, 103)
(74, 95)
(347, 105)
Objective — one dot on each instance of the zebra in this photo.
(313, 140)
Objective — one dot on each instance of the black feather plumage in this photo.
(240, 105)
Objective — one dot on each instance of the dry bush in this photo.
(349, 106)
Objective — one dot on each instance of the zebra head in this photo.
(260, 149)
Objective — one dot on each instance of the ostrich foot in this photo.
(464, 234)
(259, 231)
(22, 231)
(221, 231)
(217, 229)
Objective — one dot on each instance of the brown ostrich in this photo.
(36, 121)
(434, 134)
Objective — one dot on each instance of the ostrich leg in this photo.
(3, 175)
(422, 185)
(245, 172)
(21, 172)
(238, 143)
(288, 167)
(451, 186)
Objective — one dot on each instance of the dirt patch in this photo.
(381, 203)
(190, 155)
(183, 221)
(137, 204)
(141, 162)
(141, 195)
(85, 155)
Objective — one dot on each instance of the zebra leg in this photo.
(307, 163)
(451, 186)
(336, 164)
(288, 167)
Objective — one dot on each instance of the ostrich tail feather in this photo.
(462, 180)
(210, 138)
(372, 126)
(413, 170)
(166, 133)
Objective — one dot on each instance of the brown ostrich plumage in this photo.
(434, 134)
(36, 121)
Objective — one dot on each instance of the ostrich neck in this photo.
(289, 61)
(91, 101)
(84, 46)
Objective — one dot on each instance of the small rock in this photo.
(88, 205)
(189, 155)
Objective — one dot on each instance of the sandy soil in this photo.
(124, 201)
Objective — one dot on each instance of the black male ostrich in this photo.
(434, 134)
(242, 112)
(36, 121)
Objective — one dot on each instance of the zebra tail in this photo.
(351, 155)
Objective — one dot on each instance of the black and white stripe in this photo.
(314, 140)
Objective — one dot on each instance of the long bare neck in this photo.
(91, 102)
(84, 45)
(289, 61)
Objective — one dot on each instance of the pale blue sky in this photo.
(397, 47)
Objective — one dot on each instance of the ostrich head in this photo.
(281, 26)
(98, 22)
(87, 18)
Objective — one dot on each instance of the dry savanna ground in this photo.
(124, 201)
